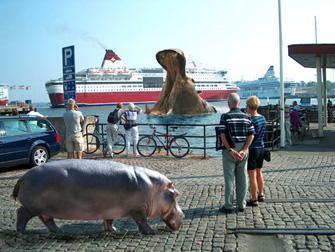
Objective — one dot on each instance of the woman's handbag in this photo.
(267, 155)
(129, 124)
(218, 143)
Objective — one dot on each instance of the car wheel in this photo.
(39, 156)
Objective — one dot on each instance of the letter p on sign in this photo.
(68, 54)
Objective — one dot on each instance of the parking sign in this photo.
(69, 74)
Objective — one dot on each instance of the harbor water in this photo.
(194, 120)
(103, 111)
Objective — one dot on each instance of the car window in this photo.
(38, 126)
(15, 127)
(2, 130)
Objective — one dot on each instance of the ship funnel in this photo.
(112, 60)
(270, 73)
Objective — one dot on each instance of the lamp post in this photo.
(282, 105)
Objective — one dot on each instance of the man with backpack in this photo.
(112, 127)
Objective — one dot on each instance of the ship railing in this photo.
(202, 137)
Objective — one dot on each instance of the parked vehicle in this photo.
(28, 140)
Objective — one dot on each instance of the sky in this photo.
(240, 36)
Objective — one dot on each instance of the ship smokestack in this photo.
(270, 73)
(111, 60)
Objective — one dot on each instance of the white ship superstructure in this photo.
(266, 87)
(114, 82)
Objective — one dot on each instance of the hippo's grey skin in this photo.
(91, 190)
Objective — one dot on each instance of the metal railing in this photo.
(272, 133)
(201, 137)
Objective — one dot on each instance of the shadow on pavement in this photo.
(16, 168)
(279, 170)
(312, 143)
(200, 212)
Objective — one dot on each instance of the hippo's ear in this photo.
(170, 195)
(170, 185)
(174, 192)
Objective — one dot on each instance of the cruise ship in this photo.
(114, 82)
(4, 94)
(266, 87)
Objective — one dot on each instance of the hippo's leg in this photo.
(143, 225)
(23, 216)
(108, 226)
(50, 224)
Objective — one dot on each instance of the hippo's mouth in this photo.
(173, 220)
(171, 226)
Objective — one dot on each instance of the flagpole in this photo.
(282, 100)
(315, 30)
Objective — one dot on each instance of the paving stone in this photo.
(300, 189)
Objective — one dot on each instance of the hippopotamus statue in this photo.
(178, 95)
(91, 190)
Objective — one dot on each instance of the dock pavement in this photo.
(298, 213)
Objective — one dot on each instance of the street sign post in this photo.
(69, 74)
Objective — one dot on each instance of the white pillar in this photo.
(325, 110)
(319, 96)
(282, 104)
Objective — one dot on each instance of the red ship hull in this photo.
(3, 102)
(110, 98)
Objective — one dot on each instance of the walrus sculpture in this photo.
(178, 95)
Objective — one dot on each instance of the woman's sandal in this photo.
(261, 198)
(252, 203)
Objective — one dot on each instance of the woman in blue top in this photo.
(256, 153)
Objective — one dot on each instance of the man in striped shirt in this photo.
(237, 133)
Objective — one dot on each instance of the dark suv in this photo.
(27, 140)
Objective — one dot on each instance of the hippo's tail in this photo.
(17, 188)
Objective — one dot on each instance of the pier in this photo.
(12, 109)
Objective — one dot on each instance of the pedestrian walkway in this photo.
(298, 214)
(311, 143)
